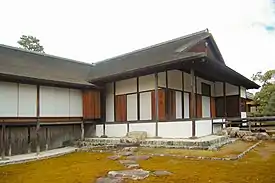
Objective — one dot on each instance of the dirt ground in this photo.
(84, 167)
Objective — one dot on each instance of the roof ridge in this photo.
(44, 54)
(154, 46)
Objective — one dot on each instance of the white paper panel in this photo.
(186, 105)
(8, 99)
(126, 86)
(76, 103)
(175, 79)
(110, 107)
(206, 113)
(178, 105)
(147, 82)
(27, 100)
(145, 106)
(132, 107)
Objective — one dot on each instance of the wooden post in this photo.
(249, 125)
(37, 137)
(29, 139)
(224, 98)
(193, 102)
(156, 103)
(47, 139)
(82, 131)
(38, 119)
(9, 141)
(3, 141)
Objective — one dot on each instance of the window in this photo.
(205, 89)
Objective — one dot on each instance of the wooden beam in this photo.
(82, 130)
(9, 140)
(38, 119)
(167, 114)
(224, 98)
(138, 100)
(156, 103)
(182, 95)
(193, 102)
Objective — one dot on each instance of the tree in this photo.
(270, 107)
(267, 90)
(30, 43)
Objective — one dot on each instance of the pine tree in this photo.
(270, 107)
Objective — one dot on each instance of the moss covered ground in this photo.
(84, 167)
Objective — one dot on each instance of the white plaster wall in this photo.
(231, 89)
(8, 99)
(178, 105)
(147, 82)
(132, 107)
(145, 106)
(76, 105)
(218, 89)
(162, 79)
(116, 130)
(242, 92)
(54, 102)
(150, 128)
(99, 130)
(201, 80)
(186, 105)
(181, 129)
(218, 120)
(126, 86)
(187, 82)
(206, 107)
(27, 100)
(175, 79)
(203, 128)
(110, 113)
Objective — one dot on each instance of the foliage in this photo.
(267, 90)
(30, 43)
(270, 107)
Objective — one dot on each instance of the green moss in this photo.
(84, 167)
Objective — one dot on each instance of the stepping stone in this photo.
(127, 153)
(137, 174)
(109, 180)
(124, 162)
(131, 149)
(161, 173)
(115, 157)
(141, 157)
(132, 166)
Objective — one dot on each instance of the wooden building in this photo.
(177, 89)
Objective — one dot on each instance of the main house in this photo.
(177, 89)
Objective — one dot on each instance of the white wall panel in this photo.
(175, 79)
(126, 86)
(145, 106)
(206, 107)
(76, 105)
(150, 128)
(162, 79)
(242, 92)
(181, 129)
(99, 130)
(116, 130)
(132, 107)
(186, 105)
(147, 82)
(110, 109)
(203, 128)
(218, 89)
(187, 82)
(54, 102)
(8, 99)
(231, 89)
(178, 105)
(27, 100)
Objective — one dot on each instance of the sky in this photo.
(91, 31)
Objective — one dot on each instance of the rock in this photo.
(132, 166)
(132, 149)
(109, 180)
(103, 136)
(127, 153)
(136, 174)
(240, 134)
(115, 157)
(127, 140)
(262, 136)
(249, 138)
(139, 135)
(222, 132)
(161, 173)
(140, 157)
(273, 137)
(124, 162)
(232, 131)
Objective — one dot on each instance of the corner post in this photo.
(224, 99)
(3, 141)
(193, 101)
(82, 130)
(156, 103)
(38, 119)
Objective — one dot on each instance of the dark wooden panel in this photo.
(91, 104)
(171, 104)
(121, 107)
(213, 107)
(199, 106)
(161, 104)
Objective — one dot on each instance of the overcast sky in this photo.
(91, 31)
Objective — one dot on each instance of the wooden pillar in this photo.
(182, 95)
(9, 140)
(3, 141)
(29, 139)
(82, 130)
(193, 102)
(156, 103)
(138, 100)
(47, 139)
(224, 99)
(38, 119)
